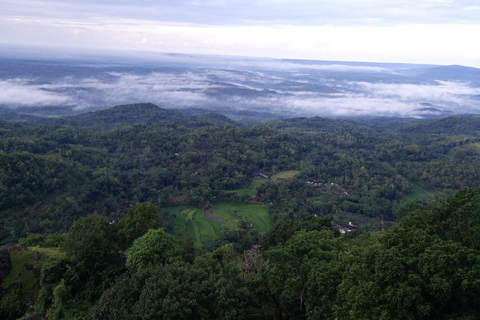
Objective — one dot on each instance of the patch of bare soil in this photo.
(208, 214)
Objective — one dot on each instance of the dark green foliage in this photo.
(426, 266)
(89, 241)
(238, 232)
(70, 286)
(58, 178)
(290, 269)
(52, 273)
(53, 175)
(19, 273)
(53, 240)
(319, 124)
(283, 231)
(131, 114)
(26, 177)
(153, 248)
(138, 220)
(207, 289)
(469, 125)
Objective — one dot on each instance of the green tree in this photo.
(138, 220)
(289, 270)
(88, 241)
(153, 248)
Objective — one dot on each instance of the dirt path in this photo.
(208, 214)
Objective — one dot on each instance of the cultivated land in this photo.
(285, 174)
(23, 278)
(195, 223)
(250, 189)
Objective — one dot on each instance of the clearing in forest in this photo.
(206, 225)
(251, 188)
(285, 174)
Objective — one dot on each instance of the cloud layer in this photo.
(256, 12)
(414, 31)
(283, 88)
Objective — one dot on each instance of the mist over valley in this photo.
(237, 86)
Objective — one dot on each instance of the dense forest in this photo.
(139, 212)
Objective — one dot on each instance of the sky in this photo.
(409, 31)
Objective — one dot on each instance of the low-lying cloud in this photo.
(18, 92)
(279, 91)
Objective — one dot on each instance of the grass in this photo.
(416, 194)
(289, 174)
(192, 221)
(255, 213)
(48, 252)
(420, 194)
(250, 189)
(21, 284)
(20, 273)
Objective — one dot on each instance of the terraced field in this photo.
(200, 228)
(250, 189)
(285, 174)
(253, 212)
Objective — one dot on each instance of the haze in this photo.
(85, 55)
(409, 31)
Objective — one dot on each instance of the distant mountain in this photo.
(319, 124)
(453, 72)
(125, 115)
(209, 119)
(451, 125)
(247, 90)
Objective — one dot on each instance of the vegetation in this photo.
(425, 266)
(206, 225)
(20, 286)
(289, 174)
(171, 216)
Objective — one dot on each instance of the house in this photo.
(255, 198)
(342, 229)
(260, 175)
(256, 248)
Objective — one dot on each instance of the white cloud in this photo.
(217, 88)
(456, 93)
(20, 93)
(255, 12)
(418, 41)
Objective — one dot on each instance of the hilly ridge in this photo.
(468, 124)
(126, 115)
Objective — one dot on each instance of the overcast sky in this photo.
(413, 31)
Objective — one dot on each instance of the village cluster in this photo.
(315, 183)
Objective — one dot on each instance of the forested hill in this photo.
(320, 124)
(250, 218)
(124, 115)
(424, 267)
(466, 125)
(52, 175)
(141, 113)
(148, 113)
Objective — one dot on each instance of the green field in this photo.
(21, 283)
(250, 189)
(416, 194)
(254, 213)
(285, 174)
(193, 222)
(48, 252)
(420, 194)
